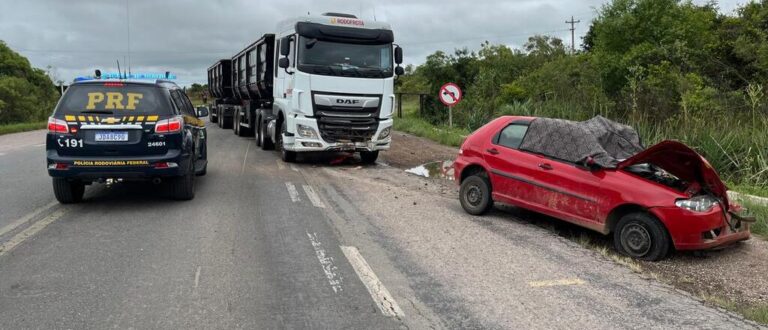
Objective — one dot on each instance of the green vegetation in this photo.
(27, 95)
(21, 127)
(670, 68)
(759, 211)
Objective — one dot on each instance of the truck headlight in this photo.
(703, 203)
(306, 131)
(385, 133)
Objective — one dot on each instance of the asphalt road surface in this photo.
(271, 245)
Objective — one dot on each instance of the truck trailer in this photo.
(320, 83)
(220, 87)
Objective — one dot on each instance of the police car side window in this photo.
(190, 109)
(178, 100)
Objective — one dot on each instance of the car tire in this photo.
(475, 195)
(641, 236)
(285, 155)
(68, 192)
(183, 187)
(369, 157)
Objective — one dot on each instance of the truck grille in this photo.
(343, 117)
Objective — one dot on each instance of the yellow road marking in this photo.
(563, 282)
(30, 231)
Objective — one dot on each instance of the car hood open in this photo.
(683, 162)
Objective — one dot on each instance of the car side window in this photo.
(512, 136)
(178, 100)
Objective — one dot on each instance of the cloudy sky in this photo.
(75, 37)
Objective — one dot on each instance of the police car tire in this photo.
(68, 192)
(183, 187)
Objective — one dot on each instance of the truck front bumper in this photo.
(300, 143)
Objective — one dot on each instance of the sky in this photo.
(75, 37)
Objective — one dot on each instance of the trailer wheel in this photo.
(236, 123)
(219, 120)
(257, 130)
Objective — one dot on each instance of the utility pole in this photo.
(573, 22)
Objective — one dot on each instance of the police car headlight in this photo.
(306, 131)
(385, 133)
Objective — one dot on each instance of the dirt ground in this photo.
(736, 274)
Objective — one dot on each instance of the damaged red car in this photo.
(597, 174)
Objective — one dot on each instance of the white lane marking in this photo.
(379, 293)
(31, 231)
(292, 192)
(197, 276)
(563, 282)
(294, 168)
(13, 225)
(242, 170)
(330, 270)
(313, 197)
(280, 165)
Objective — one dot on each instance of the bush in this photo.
(26, 93)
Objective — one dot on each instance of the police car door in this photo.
(192, 124)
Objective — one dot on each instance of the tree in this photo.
(26, 93)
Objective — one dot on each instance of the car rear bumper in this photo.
(700, 231)
(130, 168)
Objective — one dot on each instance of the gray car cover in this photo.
(605, 141)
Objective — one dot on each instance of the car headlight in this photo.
(385, 133)
(703, 203)
(306, 131)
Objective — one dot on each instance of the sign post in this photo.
(450, 95)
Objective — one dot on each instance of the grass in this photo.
(21, 127)
(443, 135)
(757, 313)
(760, 212)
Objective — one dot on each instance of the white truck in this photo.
(330, 89)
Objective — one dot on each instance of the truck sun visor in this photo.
(344, 34)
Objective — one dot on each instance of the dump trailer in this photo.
(320, 83)
(252, 78)
(220, 86)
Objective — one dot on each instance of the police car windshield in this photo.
(344, 59)
(114, 98)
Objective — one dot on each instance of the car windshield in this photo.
(114, 98)
(344, 59)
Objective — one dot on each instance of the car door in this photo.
(513, 171)
(572, 190)
(192, 124)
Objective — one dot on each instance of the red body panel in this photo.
(587, 197)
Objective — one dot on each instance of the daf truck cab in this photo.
(333, 87)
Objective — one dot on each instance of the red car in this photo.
(596, 174)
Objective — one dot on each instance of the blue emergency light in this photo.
(118, 75)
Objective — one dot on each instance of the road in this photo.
(271, 245)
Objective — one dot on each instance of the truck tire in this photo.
(212, 118)
(183, 187)
(266, 141)
(369, 157)
(641, 236)
(257, 130)
(220, 120)
(236, 124)
(68, 192)
(285, 155)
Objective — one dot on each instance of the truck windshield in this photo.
(344, 59)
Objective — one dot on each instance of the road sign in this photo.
(450, 94)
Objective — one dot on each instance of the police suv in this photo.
(114, 130)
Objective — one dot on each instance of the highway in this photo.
(267, 245)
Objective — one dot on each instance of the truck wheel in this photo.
(475, 195)
(285, 155)
(257, 131)
(641, 236)
(369, 157)
(183, 187)
(266, 141)
(68, 192)
(212, 118)
(219, 120)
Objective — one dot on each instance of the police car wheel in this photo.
(183, 187)
(67, 192)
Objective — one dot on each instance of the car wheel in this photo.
(369, 157)
(68, 192)
(475, 195)
(285, 155)
(641, 236)
(183, 187)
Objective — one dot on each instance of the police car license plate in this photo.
(111, 136)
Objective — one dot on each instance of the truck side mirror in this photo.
(285, 46)
(284, 62)
(398, 55)
(202, 112)
(399, 71)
